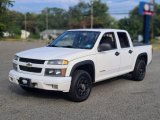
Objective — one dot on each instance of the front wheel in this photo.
(139, 71)
(81, 86)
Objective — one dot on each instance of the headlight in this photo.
(55, 72)
(57, 62)
(16, 57)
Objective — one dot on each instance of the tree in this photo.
(4, 4)
(156, 19)
(57, 19)
(133, 24)
(31, 23)
(101, 17)
(79, 15)
(14, 22)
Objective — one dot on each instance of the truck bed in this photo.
(139, 44)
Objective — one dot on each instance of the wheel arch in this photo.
(87, 65)
(142, 56)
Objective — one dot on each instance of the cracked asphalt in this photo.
(115, 99)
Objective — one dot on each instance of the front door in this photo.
(108, 60)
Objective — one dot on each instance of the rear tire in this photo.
(139, 71)
(81, 86)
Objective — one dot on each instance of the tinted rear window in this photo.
(123, 39)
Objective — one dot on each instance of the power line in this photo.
(122, 0)
(118, 11)
(122, 13)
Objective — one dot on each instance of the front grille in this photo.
(35, 61)
(30, 69)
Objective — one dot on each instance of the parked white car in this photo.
(77, 59)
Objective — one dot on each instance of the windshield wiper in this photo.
(61, 46)
(52, 46)
(67, 46)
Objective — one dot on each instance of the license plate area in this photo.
(25, 82)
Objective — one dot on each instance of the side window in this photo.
(109, 39)
(123, 39)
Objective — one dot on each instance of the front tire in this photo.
(81, 86)
(139, 71)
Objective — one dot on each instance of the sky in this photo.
(120, 6)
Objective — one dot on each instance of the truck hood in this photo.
(50, 53)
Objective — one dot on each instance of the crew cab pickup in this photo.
(77, 59)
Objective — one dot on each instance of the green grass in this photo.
(156, 46)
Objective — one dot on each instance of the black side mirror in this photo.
(104, 47)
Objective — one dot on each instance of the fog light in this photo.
(55, 86)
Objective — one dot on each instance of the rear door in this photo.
(127, 53)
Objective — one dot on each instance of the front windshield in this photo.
(76, 39)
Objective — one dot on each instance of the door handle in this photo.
(130, 51)
(117, 53)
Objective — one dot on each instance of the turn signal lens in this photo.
(65, 62)
(58, 62)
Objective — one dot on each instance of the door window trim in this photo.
(129, 45)
(114, 37)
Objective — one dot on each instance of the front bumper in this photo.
(43, 82)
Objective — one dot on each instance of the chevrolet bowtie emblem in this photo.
(29, 64)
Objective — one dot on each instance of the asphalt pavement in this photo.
(115, 99)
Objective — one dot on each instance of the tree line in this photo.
(77, 16)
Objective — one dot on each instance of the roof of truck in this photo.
(98, 30)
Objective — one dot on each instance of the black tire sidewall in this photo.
(74, 84)
(136, 75)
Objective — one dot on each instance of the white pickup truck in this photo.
(77, 59)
